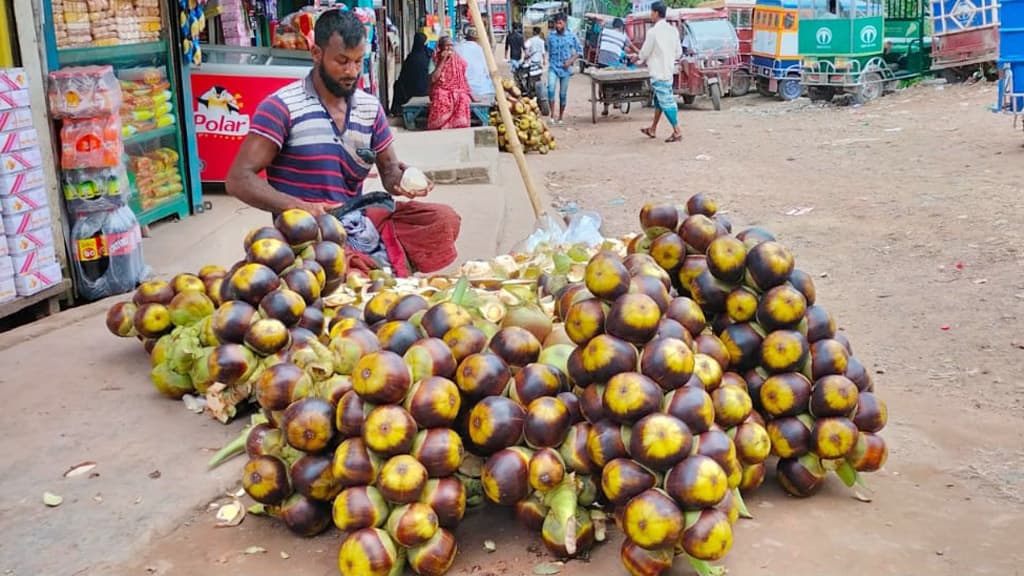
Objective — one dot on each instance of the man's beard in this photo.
(335, 87)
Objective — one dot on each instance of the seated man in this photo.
(318, 138)
(613, 50)
(688, 45)
(893, 59)
(480, 84)
(614, 45)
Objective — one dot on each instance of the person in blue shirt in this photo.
(563, 51)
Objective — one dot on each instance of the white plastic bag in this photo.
(584, 228)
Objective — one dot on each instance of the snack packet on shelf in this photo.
(95, 190)
(84, 92)
(91, 143)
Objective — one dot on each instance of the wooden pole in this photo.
(506, 113)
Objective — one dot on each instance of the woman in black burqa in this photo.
(414, 79)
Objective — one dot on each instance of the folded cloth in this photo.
(419, 236)
(363, 236)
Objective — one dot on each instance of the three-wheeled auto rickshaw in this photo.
(1011, 58)
(741, 15)
(539, 14)
(861, 47)
(775, 59)
(710, 52)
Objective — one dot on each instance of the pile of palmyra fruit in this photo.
(533, 133)
(648, 382)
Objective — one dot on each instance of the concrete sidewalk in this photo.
(75, 393)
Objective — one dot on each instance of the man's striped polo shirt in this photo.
(316, 161)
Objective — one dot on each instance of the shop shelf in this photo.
(50, 295)
(111, 54)
(150, 135)
(176, 205)
(282, 54)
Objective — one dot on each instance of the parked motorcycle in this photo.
(530, 80)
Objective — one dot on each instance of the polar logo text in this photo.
(869, 34)
(823, 36)
(218, 112)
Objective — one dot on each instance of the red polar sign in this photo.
(222, 112)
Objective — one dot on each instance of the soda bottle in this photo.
(92, 260)
(124, 243)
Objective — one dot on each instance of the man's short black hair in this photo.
(618, 24)
(536, 30)
(343, 23)
(660, 8)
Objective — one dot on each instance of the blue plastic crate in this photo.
(1011, 44)
(1011, 14)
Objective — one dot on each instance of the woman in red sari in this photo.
(449, 89)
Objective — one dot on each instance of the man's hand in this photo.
(411, 194)
(316, 208)
(391, 172)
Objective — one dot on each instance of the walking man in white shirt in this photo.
(534, 51)
(661, 52)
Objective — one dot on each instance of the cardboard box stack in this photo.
(28, 262)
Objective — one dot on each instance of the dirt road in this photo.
(911, 225)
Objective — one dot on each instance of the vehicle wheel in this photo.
(952, 76)
(991, 71)
(624, 107)
(715, 91)
(740, 83)
(688, 99)
(790, 89)
(870, 87)
(821, 93)
(545, 108)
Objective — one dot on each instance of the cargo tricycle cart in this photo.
(618, 86)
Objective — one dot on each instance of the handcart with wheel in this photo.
(618, 86)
